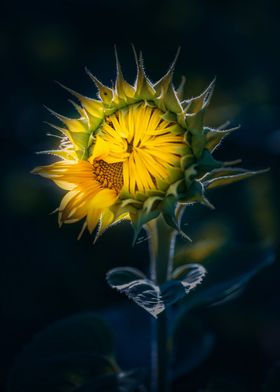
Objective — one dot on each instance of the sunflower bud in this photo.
(136, 152)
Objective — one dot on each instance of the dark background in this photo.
(46, 274)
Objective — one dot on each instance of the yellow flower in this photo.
(138, 149)
(136, 152)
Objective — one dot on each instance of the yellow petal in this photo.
(101, 149)
(93, 218)
(104, 198)
(67, 174)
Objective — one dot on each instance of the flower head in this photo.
(136, 152)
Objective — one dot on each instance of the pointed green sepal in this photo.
(196, 194)
(83, 113)
(223, 172)
(108, 218)
(198, 144)
(132, 202)
(177, 189)
(161, 86)
(64, 154)
(171, 101)
(81, 154)
(215, 136)
(79, 140)
(123, 89)
(230, 179)
(190, 174)
(195, 123)
(91, 106)
(120, 210)
(143, 216)
(168, 208)
(186, 161)
(148, 212)
(180, 89)
(144, 88)
(207, 163)
(167, 98)
(106, 93)
(181, 119)
(151, 203)
(195, 105)
(73, 124)
(169, 116)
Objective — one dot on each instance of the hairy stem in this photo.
(162, 243)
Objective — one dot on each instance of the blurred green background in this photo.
(46, 274)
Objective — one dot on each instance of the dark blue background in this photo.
(45, 273)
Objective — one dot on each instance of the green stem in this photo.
(161, 241)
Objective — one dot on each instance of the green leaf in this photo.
(194, 272)
(122, 276)
(151, 297)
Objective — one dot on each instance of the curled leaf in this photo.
(151, 297)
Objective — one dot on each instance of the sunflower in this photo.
(136, 152)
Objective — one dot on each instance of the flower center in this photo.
(109, 175)
(130, 147)
(138, 150)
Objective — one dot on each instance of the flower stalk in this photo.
(162, 244)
